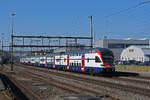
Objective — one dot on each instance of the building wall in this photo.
(117, 45)
(132, 53)
(99, 43)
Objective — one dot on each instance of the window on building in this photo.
(131, 50)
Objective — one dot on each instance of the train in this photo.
(97, 60)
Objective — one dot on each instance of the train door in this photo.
(67, 62)
(83, 63)
(45, 61)
(54, 62)
(39, 61)
(60, 61)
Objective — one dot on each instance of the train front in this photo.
(107, 60)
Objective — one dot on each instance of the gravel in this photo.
(47, 92)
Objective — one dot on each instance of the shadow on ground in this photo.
(118, 74)
(18, 95)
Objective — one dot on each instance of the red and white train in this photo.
(91, 60)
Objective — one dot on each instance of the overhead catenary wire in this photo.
(145, 2)
(108, 20)
(127, 9)
(124, 10)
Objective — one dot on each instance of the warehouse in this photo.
(118, 45)
(137, 53)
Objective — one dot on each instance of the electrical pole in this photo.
(31, 47)
(12, 32)
(91, 30)
(2, 49)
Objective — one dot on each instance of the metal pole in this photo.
(42, 47)
(11, 52)
(23, 41)
(49, 45)
(2, 49)
(23, 47)
(66, 45)
(31, 47)
(2, 53)
(12, 32)
(76, 42)
(59, 41)
(91, 31)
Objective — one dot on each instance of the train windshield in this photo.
(107, 56)
(97, 60)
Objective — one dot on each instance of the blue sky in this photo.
(70, 18)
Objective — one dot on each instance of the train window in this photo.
(65, 60)
(97, 60)
(107, 56)
(42, 60)
(88, 60)
(79, 64)
(74, 64)
(58, 60)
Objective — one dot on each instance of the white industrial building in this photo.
(118, 45)
(137, 53)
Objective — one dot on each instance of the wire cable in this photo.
(127, 9)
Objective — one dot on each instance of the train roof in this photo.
(93, 50)
(79, 52)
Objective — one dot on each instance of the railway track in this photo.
(114, 78)
(127, 88)
(72, 87)
(131, 80)
(29, 92)
(143, 77)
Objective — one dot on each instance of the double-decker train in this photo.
(95, 60)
